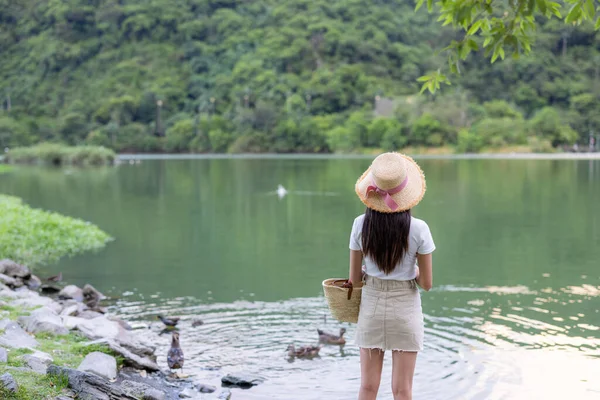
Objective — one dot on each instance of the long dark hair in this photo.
(385, 237)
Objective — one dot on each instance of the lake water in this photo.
(515, 309)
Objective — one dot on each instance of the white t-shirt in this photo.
(419, 241)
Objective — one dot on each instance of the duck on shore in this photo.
(170, 322)
(303, 352)
(175, 355)
(329, 338)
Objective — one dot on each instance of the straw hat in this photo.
(393, 183)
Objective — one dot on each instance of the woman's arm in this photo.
(425, 272)
(356, 267)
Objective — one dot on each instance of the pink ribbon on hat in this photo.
(387, 194)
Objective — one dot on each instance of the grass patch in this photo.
(69, 350)
(5, 168)
(57, 154)
(12, 312)
(32, 236)
(66, 350)
(33, 386)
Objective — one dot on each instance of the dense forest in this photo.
(292, 76)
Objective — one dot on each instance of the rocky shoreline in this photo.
(124, 367)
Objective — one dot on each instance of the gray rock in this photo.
(31, 299)
(89, 314)
(141, 390)
(71, 292)
(69, 310)
(242, 380)
(133, 357)
(89, 386)
(204, 388)
(121, 322)
(99, 328)
(15, 337)
(12, 269)
(63, 398)
(224, 395)
(38, 362)
(71, 322)
(8, 383)
(187, 393)
(8, 280)
(3, 355)
(33, 282)
(43, 320)
(100, 364)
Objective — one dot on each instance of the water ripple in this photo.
(475, 348)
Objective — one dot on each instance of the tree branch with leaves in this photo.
(498, 27)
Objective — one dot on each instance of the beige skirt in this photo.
(390, 316)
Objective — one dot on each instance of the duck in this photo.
(329, 338)
(170, 322)
(175, 355)
(281, 191)
(197, 322)
(303, 352)
(55, 278)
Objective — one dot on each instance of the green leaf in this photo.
(574, 13)
(419, 4)
(430, 5)
(501, 51)
(424, 78)
(474, 28)
(473, 44)
(591, 10)
(597, 26)
(541, 5)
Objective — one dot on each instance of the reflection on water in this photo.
(516, 310)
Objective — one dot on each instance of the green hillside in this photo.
(280, 76)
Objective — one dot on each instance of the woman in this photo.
(395, 249)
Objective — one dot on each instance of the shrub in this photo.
(57, 154)
(500, 131)
(255, 143)
(547, 124)
(469, 142)
(220, 140)
(539, 145)
(340, 139)
(179, 136)
(425, 127)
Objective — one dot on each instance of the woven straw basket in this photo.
(344, 303)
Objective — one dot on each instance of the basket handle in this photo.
(345, 283)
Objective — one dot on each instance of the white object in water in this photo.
(281, 191)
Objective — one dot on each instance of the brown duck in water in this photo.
(175, 354)
(303, 352)
(329, 338)
(55, 278)
(170, 322)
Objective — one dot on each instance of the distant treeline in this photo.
(293, 76)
